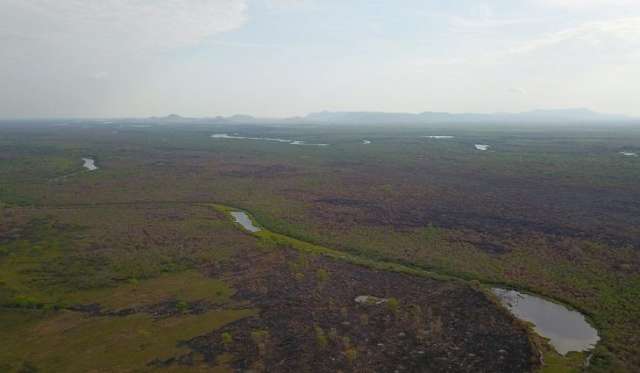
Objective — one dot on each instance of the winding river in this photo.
(272, 139)
(567, 330)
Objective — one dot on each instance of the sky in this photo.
(277, 58)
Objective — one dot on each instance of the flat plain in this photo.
(133, 266)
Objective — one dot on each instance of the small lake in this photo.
(89, 164)
(566, 330)
(243, 219)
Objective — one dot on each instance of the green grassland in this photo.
(63, 258)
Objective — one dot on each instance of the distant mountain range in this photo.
(371, 117)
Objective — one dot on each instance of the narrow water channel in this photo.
(243, 219)
(567, 330)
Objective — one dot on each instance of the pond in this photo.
(243, 219)
(567, 330)
(89, 164)
(629, 154)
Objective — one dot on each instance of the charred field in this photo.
(129, 263)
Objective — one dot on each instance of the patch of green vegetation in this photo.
(51, 265)
(431, 233)
(22, 261)
(227, 339)
(556, 363)
(70, 342)
(12, 195)
(321, 338)
(266, 235)
(322, 275)
(393, 305)
(186, 286)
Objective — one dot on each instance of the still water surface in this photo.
(89, 164)
(567, 330)
(243, 219)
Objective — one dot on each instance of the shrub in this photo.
(393, 305)
(321, 338)
(227, 339)
(351, 354)
(24, 301)
(182, 306)
(322, 275)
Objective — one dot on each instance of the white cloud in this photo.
(74, 57)
(117, 25)
(617, 39)
(489, 22)
(133, 57)
(588, 4)
(289, 4)
(624, 32)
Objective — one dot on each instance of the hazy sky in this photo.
(104, 58)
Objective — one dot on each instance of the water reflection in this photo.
(89, 164)
(567, 330)
(243, 219)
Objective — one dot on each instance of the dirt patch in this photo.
(343, 202)
(417, 214)
(160, 310)
(491, 247)
(259, 171)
